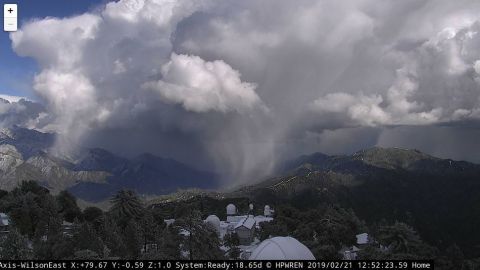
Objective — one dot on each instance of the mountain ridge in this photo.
(93, 175)
(435, 195)
(387, 158)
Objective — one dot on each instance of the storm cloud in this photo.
(22, 112)
(235, 86)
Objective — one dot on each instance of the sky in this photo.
(237, 86)
(16, 73)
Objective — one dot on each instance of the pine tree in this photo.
(85, 237)
(67, 205)
(200, 241)
(25, 213)
(132, 239)
(125, 206)
(232, 241)
(169, 240)
(92, 214)
(15, 247)
(403, 242)
(112, 236)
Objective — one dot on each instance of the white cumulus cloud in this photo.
(202, 86)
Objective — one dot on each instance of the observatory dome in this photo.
(267, 211)
(214, 221)
(231, 209)
(281, 248)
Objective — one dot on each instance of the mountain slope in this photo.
(23, 157)
(440, 197)
(27, 141)
(146, 174)
(53, 173)
(96, 174)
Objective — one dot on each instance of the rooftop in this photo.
(247, 222)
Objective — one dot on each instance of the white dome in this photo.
(267, 211)
(251, 206)
(281, 248)
(231, 209)
(214, 221)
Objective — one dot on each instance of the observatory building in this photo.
(231, 210)
(232, 214)
(245, 230)
(214, 222)
(268, 211)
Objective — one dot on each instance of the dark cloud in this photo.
(458, 143)
(24, 113)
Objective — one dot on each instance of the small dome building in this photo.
(281, 248)
(267, 211)
(231, 210)
(214, 221)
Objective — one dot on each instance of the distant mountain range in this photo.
(95, 174)
(146, 174)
